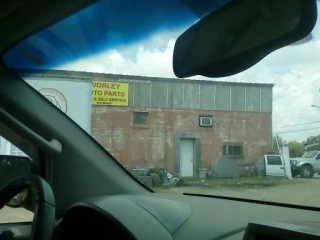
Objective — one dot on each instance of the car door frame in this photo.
(281, 167)
(316, 163)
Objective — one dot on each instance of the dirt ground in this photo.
(10, 215)
(297, 191)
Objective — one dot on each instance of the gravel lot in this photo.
(8, 215)
(297, 191)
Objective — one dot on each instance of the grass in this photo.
(252, 182)
(242, 182)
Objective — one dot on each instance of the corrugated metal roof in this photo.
(100, 76)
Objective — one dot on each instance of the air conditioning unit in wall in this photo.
(205, 121)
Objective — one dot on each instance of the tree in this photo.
(311, 140)
(296, 148)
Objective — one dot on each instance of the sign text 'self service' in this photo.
(110, 93)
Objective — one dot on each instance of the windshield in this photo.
(109, 68)
(310, 154)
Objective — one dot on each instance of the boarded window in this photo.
(274, 160)
(235, 150)
(140, 118)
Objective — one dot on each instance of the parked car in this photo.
(306, 165)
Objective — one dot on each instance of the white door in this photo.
(186, 157)
(274, 165)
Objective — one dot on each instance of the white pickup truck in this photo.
(306, 165)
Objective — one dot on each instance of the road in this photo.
(297, 191)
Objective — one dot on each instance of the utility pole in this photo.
(286, 160)
(279, 150)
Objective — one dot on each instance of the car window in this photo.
(111, 72)
(311, 154)
(274, 160)
(12, 165)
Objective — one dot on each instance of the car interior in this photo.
(79, 191)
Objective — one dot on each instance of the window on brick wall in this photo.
(234, 150)
(205, 120)
(140, 118)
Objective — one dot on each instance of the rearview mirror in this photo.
(240, 34)
(12, 167)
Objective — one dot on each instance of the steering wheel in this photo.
(44, 216)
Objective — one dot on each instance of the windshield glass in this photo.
(109, 68)
(311, 154)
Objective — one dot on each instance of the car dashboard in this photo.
(165, 216)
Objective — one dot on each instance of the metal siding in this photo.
(76, 93)
(207, 96)
(175, 95)
(253, 99)
(191, 96)
(238, 98)
(159, 95)
(142, 94)
(266, 99)
(131, 94)
(223, 98)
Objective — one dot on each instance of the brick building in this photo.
(181, 125)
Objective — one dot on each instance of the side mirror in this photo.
(19, 199)
(12, 167)
(239, 34)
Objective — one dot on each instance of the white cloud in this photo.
(294, 70)
(296, 75)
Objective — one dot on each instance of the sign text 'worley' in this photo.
(110, 93)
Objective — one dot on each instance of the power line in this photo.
(309, 116)
(301, 130)
(299, 124)
(294, 94)
(276, 115)
(293, 91)
(284, 95)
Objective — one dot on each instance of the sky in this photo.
(294, 70)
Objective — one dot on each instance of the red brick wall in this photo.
(154, 144)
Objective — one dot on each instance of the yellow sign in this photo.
(110, 93)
